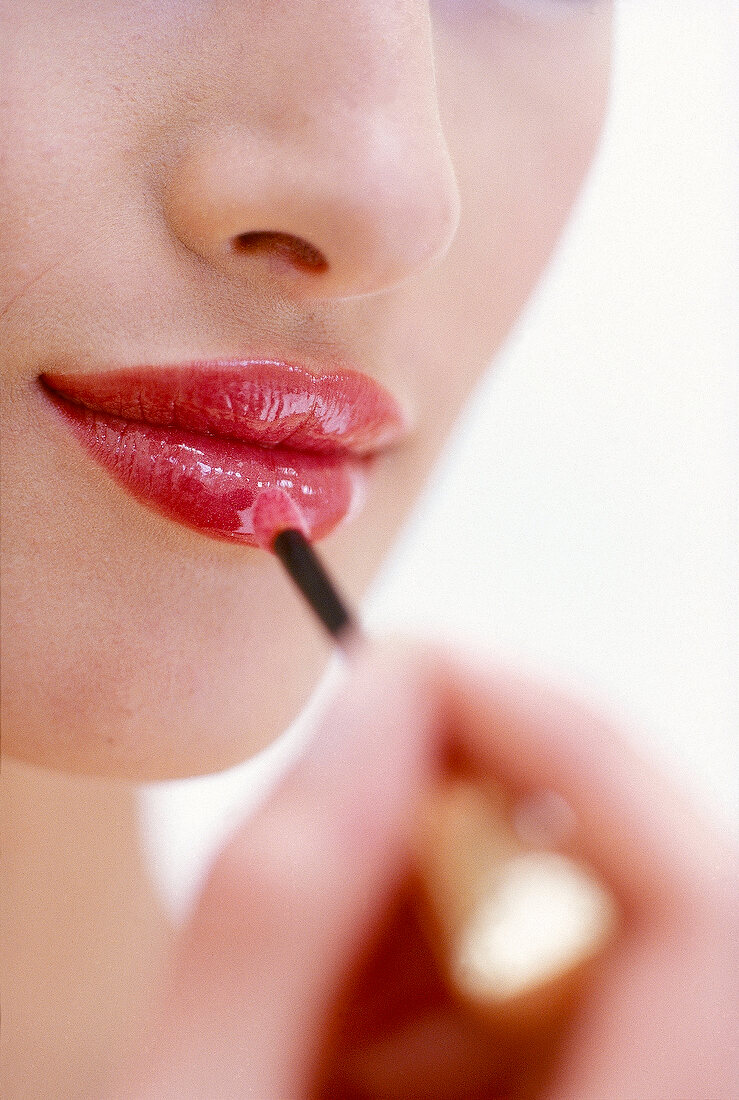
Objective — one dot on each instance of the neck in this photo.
(84, 938)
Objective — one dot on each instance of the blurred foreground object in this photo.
(514, 929)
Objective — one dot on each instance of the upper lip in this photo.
(268, 402)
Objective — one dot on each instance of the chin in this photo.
(168, 710)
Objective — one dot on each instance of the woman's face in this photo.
(348, 189)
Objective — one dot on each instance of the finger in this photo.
(628, 822)
(294, 896)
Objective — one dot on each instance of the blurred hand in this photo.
(302, 972)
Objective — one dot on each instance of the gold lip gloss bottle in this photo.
(515, 929)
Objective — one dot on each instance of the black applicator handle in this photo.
(309, 575)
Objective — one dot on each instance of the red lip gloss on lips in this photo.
(200, 442)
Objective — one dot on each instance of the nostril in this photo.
(296, 250)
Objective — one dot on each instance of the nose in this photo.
(323, 157)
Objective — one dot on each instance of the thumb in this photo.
(293, 896)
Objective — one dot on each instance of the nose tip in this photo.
(333, 220)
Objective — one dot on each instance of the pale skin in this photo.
(433, 155)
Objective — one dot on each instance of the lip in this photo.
(199, 441)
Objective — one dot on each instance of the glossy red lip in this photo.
(198, 442)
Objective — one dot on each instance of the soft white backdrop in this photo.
(604, 554)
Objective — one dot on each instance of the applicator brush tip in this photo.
(279, 526)
(275, 511)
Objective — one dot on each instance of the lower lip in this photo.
(209, 483)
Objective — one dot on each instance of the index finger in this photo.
(630, 824)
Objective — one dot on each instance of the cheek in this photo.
(522, 105)
(524, 108)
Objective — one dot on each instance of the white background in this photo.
(604, 554)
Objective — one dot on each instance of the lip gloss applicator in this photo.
(515, 929)
(280, 526)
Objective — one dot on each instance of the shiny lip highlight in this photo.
(199, 442)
